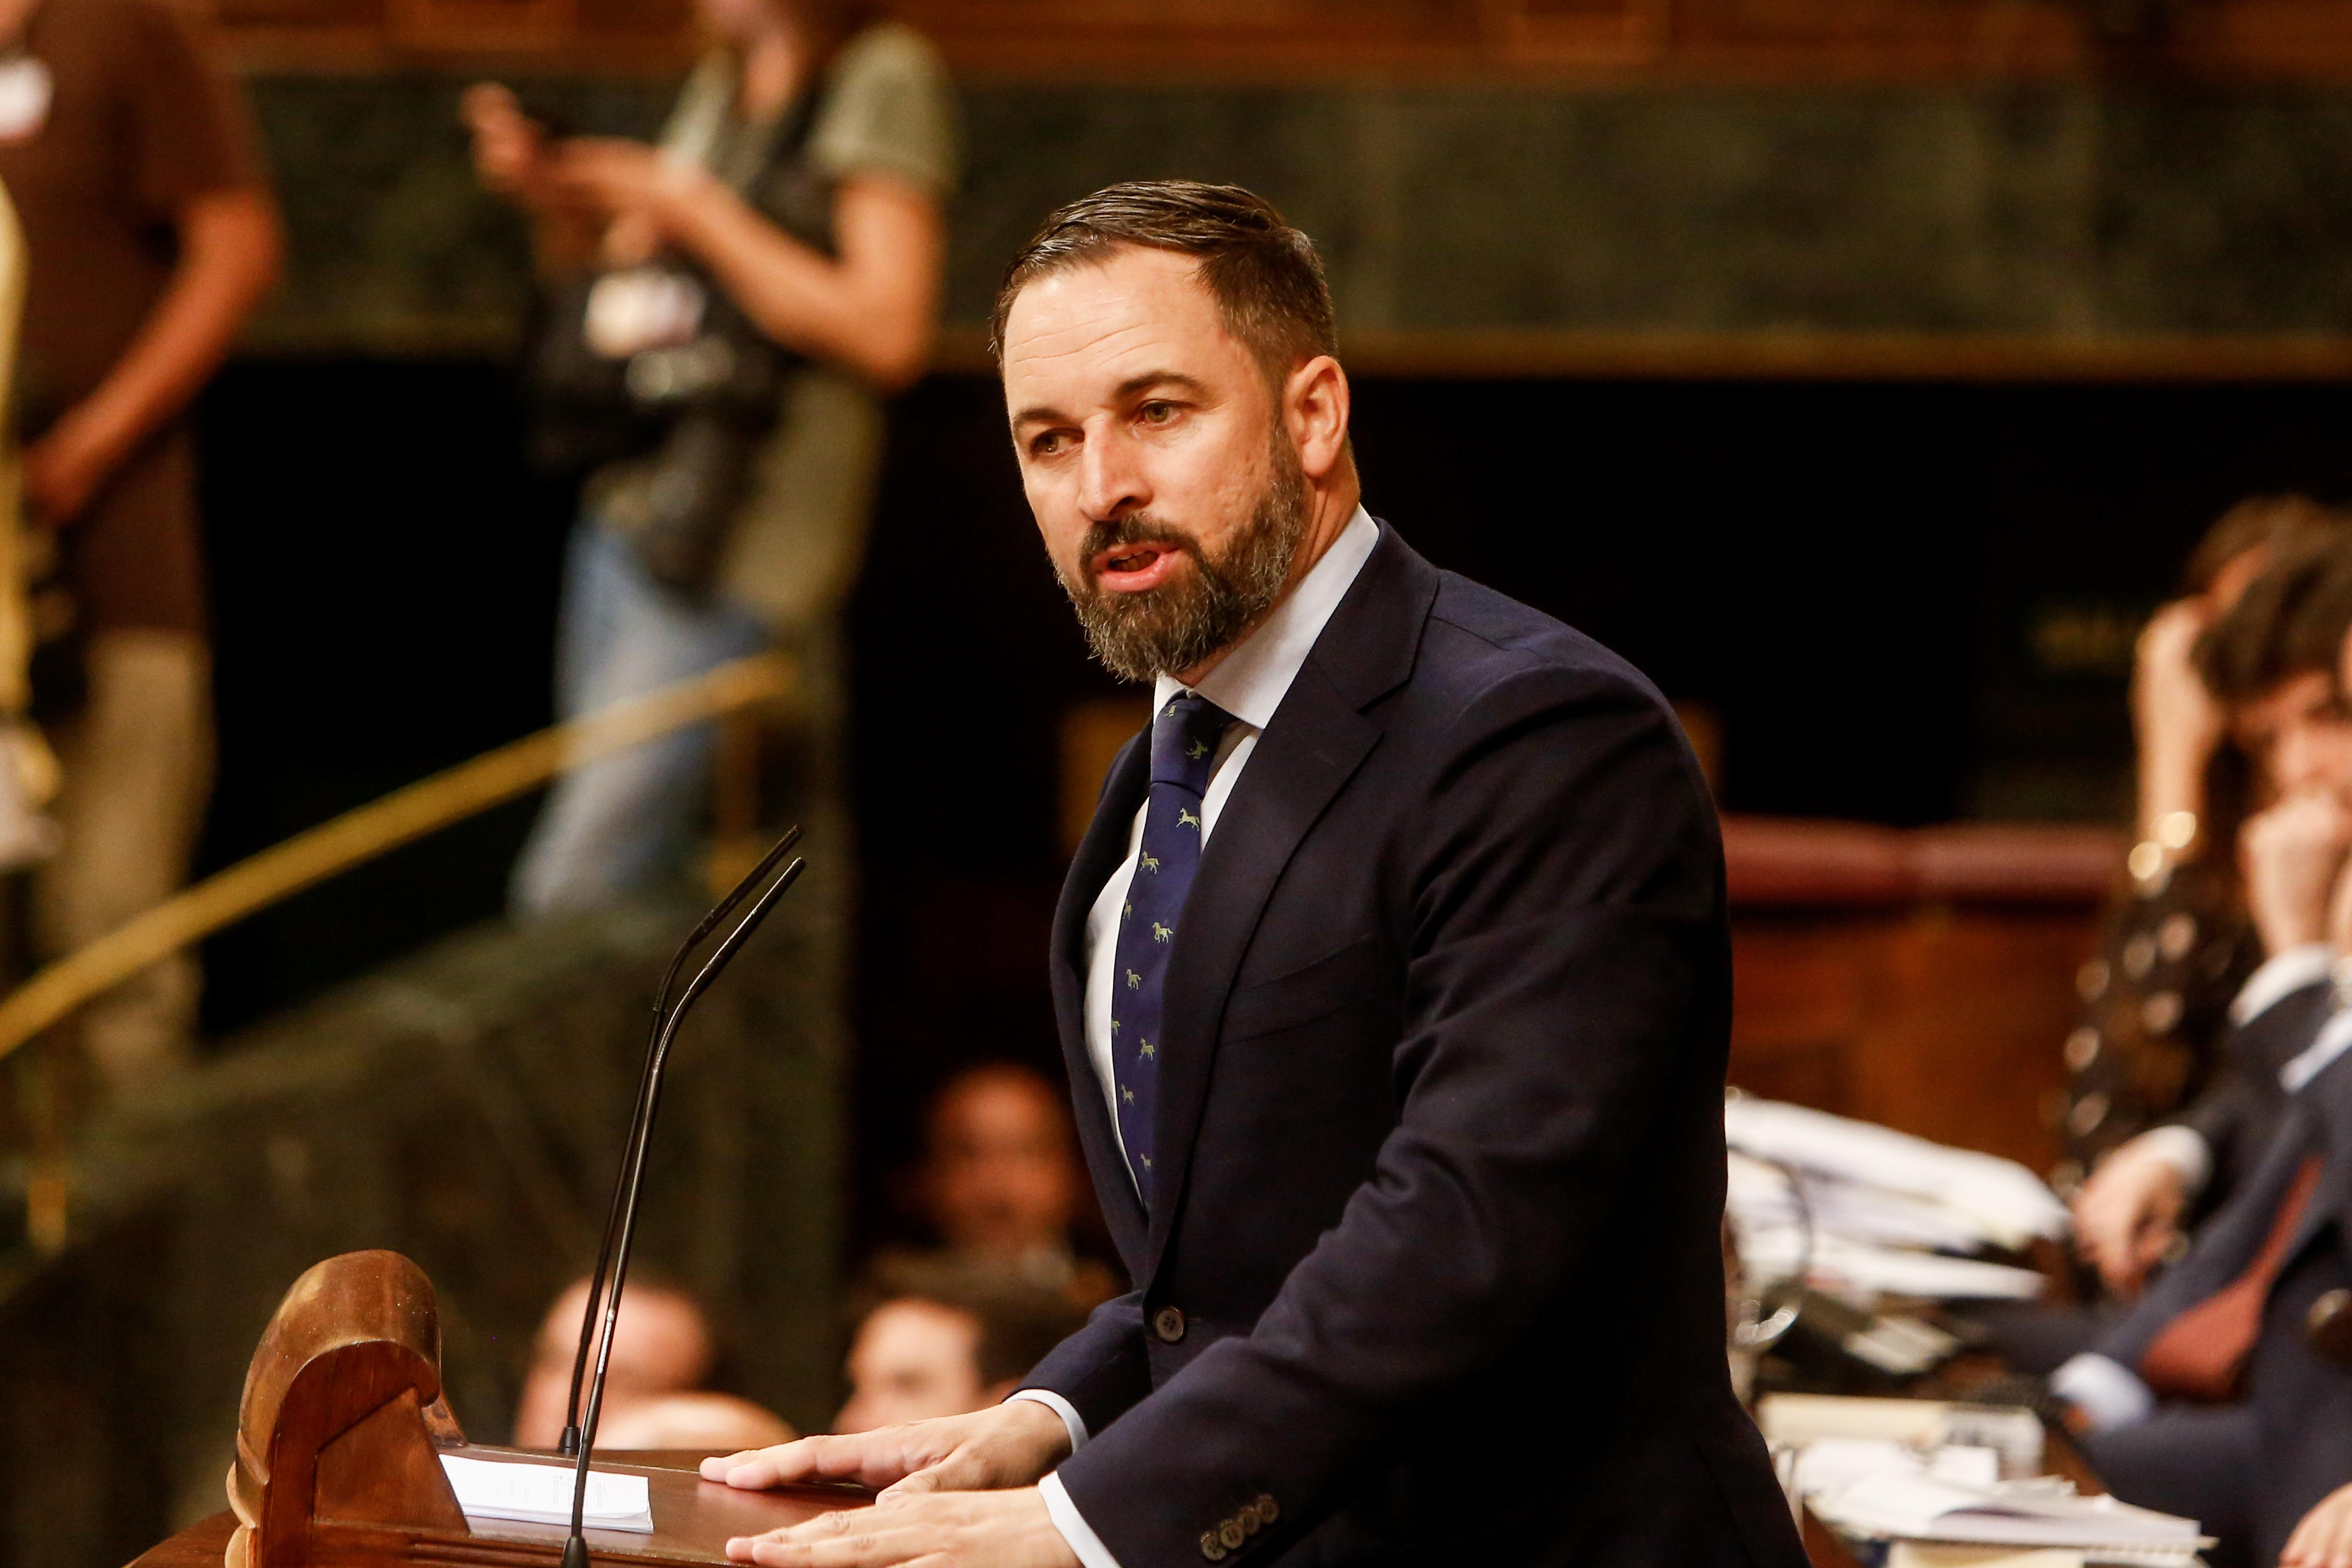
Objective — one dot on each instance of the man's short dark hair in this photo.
(1263, 274)
(2291, 621)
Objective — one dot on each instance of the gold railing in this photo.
(334, 847)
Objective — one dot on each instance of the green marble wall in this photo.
(2066, 211)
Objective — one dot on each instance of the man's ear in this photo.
(1316, 406)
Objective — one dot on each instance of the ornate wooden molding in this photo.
(1792, 41)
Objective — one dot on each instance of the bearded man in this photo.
(1394, 983)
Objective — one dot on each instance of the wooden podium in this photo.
(338, 1445)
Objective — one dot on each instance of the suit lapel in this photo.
(1098, 856)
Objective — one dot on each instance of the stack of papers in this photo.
(1877, 1211)
(1917, 1506)
(542, 1494)
(1924, 1476)
(1798, 1422)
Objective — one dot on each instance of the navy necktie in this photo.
(1184, 738)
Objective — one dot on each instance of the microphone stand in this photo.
(630, 1187)
(569, 1444)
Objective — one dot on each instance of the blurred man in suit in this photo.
(1392, 978)
(2208, 1397)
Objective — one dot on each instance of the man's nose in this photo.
(1111, 482)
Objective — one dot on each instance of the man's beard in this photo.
(1199, 613)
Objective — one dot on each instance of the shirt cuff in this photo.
(2335, 1038)
(2182, 1148)
(1076, 1422)
(1075, 1532)
(2105, 1390)
(2281, 976)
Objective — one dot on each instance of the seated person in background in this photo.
(2205, 1398)
(2177, 944)
(664, 1352)
(936, 1346)
(2268, 664)
(1000, 1182)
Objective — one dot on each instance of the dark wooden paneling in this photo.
(1922, 979)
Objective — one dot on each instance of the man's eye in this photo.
(1159, 413)
(1046, 445)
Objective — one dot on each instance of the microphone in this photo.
(629, 1185)
(569, 1444)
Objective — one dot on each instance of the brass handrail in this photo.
(365, 832)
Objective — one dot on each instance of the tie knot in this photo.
(1185, 735)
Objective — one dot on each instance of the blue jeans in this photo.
(623, 824)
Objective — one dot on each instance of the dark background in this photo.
(1902, 603)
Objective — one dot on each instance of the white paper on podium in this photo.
(542, 1494)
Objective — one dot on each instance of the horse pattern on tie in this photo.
(1185, 735)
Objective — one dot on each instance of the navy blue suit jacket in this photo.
(1440, 1127)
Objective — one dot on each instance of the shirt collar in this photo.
(1251, 681)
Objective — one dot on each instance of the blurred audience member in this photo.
(152, 237)
(940, 1342)
(788, 231)
(1000, 1182)
(2261, 671)
(2177, 945)
(663, 1354)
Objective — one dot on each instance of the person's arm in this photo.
(514, 158)
(230, 248)
(872, 307)
(2176, 723)
(1101, 1371)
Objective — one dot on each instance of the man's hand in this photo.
(2292, 855)
(940, 1530)
(1009, 1445)
(2324, 1539)
(2127, 1216)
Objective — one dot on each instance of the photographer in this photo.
(726, 310)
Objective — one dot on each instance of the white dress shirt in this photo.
(1249, 683)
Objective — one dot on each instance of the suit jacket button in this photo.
(1169, 1324)
(1267, 1509)
(1210, 1547)
(1231, 1534)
